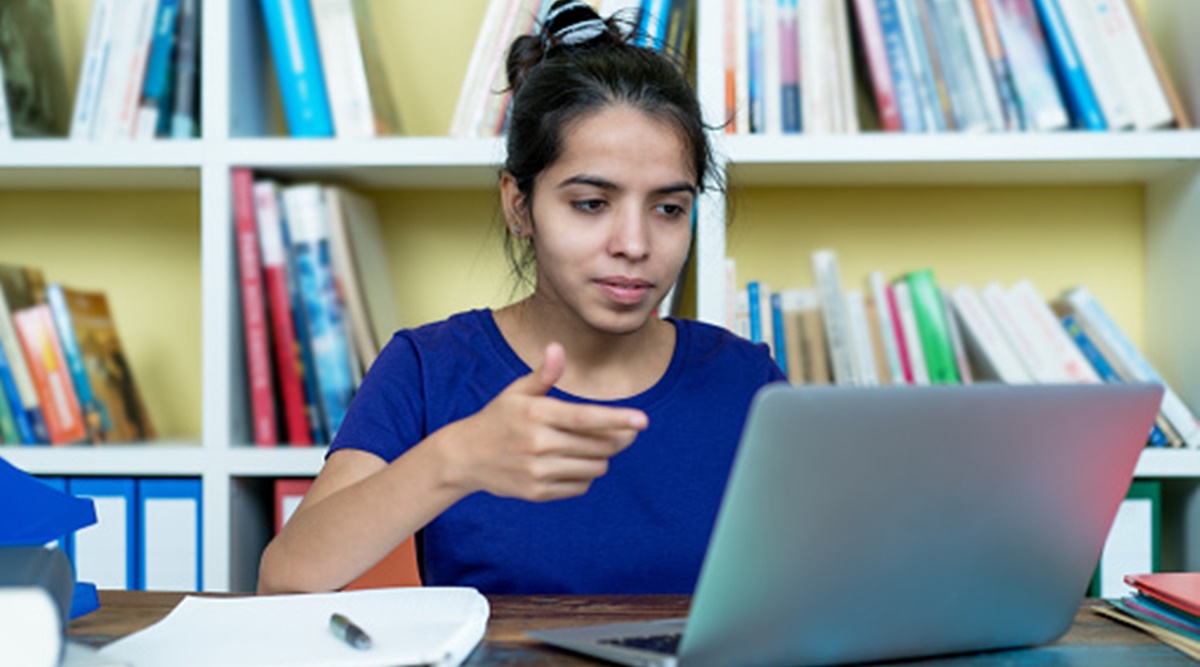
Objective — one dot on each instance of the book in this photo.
(95, 420)
(933, 331)
(1042, 107)
(254, 318)
(1098, 64)
(1076, 86)
(1180, 114)
(127, 44)
(914, 42)
(886, 327)
(289, 367)
(937, 95)
(109, 372)
(998, 64)
(981, 65)
(1034, 353)
(951, 40)
(985, 344)
(836, 320)
(185, 107)
(344, 68)
(91, 74)
(918, 373)
(485, 57)
(385, 116)
(309, 228)
(9, 434)
(804, 337)
(777, 332)
(1049, 331)
(307, 367)
(360, 261)
(154, 113)
(51, 379)
(34, 83)
(860, 333)
(105, 553)
(1186, 645)
(5, 124)
(497, 93)
(1129, 58)
(846, 94)
(961, 363)
(789, 68)
(293, 41)
(1092, 315)
(27, 396)
(870, 35)
(1181, 590)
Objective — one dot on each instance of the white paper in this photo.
(407, 626)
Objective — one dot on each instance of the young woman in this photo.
(572, 442)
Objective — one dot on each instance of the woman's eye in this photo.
(672, 210)
(589, 205)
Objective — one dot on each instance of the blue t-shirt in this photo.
(641, 528)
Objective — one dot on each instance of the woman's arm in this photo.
(522, 444)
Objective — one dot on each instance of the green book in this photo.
(933, 327)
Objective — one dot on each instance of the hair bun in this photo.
(571, 23)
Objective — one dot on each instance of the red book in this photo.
(51, 378)
(871, 32)
(1180, 590)
(258, 362)
(283, 331)
(901, 343)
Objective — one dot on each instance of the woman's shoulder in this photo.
(713, 345)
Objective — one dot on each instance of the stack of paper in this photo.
(407, 626)
(1166, 605)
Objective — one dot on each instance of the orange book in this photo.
(51, 378)
(399, 568)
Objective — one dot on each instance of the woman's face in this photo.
(612, 218)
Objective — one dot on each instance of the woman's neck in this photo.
(600, 365)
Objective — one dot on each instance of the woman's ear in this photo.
(516, 206)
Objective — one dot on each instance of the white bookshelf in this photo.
(235, 474)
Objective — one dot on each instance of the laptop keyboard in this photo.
(666, 644)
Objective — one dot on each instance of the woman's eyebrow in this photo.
(605, 184)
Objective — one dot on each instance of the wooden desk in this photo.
(1092, 640)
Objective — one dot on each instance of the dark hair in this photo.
(577, 64)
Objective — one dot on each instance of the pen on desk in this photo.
(345, 629)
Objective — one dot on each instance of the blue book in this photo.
(754, 291)
(15, 427)
(789, 67)
(777, 326)
(900, 64)
(1073, 79)
(95, 416)
(293, 39)
(1102, 367)
(312, 409)
(652, 20)
(755, 25)
(327, 333)
(156, 87)
(185, 75)
(169, 534)
(106, 553)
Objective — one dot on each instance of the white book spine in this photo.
(741, 316)
(1132, 68)
(833, 307)
(979, 63)
(472, 84)
(342, 65)
(766, 316)
(883, 311)
(1101, 71)
(912, 334)
(772, 83)
(1139, 368)
(982, 331)
(731, 292)
(1038, 360)
(120, 46)
(815, 66)
(861, 335)
(927, 97)
(92, 72)
(1051, 331)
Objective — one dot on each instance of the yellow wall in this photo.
(143, 250)
(1058, 237)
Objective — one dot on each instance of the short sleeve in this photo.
(387, 415)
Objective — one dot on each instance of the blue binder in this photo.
(170, 534)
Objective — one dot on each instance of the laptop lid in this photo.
(865, 524)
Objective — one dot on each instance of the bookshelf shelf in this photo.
(176, 458)
(1168, 464)
(275, 462)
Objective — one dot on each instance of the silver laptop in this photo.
(864, 524)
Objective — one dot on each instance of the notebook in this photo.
(864, 524)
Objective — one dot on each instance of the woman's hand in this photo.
(524, 444)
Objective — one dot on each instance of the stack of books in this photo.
(64, 377)
(482, 109)
(1165, 605)
(943, 65)
(329, 69)
(911, 331)
(317, 303)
